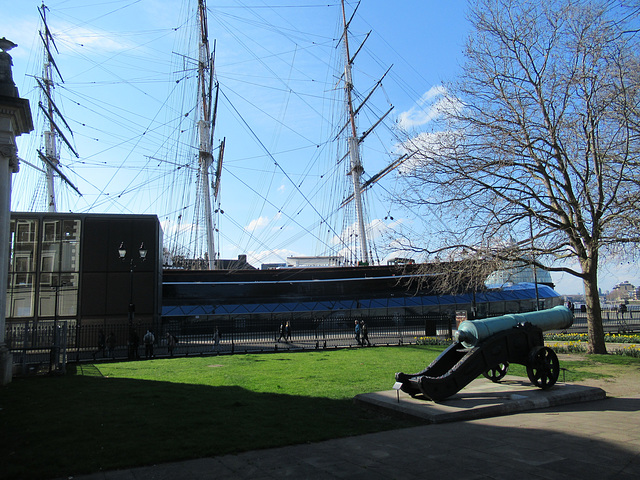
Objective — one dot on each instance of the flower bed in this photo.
(568, 343)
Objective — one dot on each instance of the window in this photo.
(44, 268)
(20, 289)
(59, 264)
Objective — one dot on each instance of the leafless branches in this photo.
(541, 152)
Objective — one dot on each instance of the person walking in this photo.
(288, 331)
(111, 345)
(148, 340)
(135, 344)
(216, 340)
(623, 310)
(171, 343)
(364, 333)
(358, 332)
(283, 332)
(102, 344)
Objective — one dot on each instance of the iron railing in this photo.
(48, 346)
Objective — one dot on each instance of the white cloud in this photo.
(433, 92)
(258, 223)
(20, 33)
(426, 144)
(263, 222)
(430, 106)
(169, 227)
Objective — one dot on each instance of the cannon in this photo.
(487, 347)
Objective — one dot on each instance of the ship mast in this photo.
(51, 157)
(206, 127)
(49, 135)
(353, 141)
(357, 169)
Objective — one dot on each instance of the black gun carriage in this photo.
(487, 347)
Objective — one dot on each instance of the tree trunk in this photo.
(594, 314)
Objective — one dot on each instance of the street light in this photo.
(122, 252)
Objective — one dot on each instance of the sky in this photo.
(128, 95)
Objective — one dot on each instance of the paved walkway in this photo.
(591, 440)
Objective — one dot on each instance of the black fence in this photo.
(47, 347)
(612, 321)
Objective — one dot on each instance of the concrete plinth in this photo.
(482, 398)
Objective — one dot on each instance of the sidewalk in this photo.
(589, 440)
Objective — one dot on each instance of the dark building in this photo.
(68, 267)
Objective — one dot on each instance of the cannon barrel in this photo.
(470, 333)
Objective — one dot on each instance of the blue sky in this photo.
(128, 75)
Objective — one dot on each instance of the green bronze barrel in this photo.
(470, 333)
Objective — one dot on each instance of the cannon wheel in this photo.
(543, 367)
(497, 373)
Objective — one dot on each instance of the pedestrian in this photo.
(283, 332)
(289, 331)
(358, 332)
(148, 340)
(623, 310)
(216, 340)
(171, 343)
(102, 343)
(111, 345)
(134, 344)
(364, 333)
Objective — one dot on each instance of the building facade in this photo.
(68, 268)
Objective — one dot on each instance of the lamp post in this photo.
(122, 252)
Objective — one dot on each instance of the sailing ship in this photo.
(322, 286)
(350, 280)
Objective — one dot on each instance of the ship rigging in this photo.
(53, 133)
(167, 158)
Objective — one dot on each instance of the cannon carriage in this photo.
(487, 347)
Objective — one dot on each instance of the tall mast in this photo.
(205, 127)
(50, 137)
(356, 169)
(54, 133)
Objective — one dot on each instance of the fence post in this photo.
(25, 338)
(63, 345)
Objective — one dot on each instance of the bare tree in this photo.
(538, 145)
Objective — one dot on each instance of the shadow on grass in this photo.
(63, 426)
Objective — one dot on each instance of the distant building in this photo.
(622, 291)
(328, 261)
(182, 263)
(273, 266)
(400, 261)
(512, 275)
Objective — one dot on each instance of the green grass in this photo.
(117, 415)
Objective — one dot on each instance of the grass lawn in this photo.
(115, 415)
